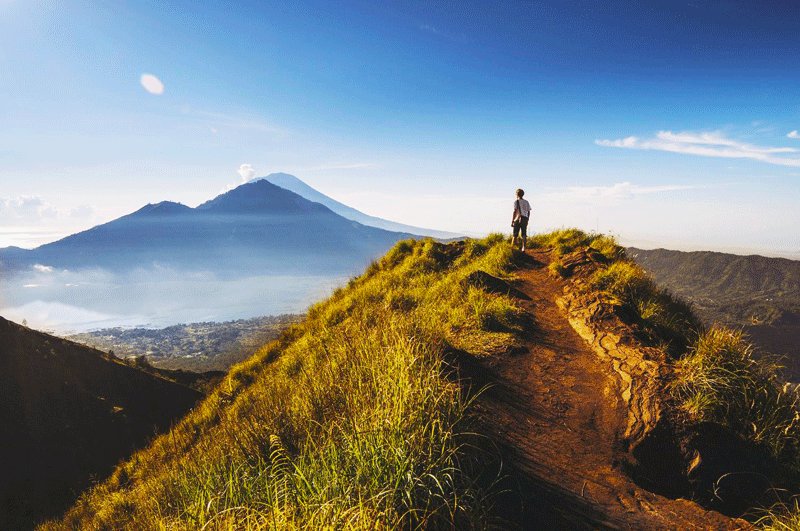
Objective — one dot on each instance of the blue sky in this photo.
(666, 123)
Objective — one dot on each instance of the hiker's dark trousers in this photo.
(521, 226)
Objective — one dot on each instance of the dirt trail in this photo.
(555, 410)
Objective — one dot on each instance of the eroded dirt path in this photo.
(556, 412)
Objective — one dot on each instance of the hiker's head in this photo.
(520, 192)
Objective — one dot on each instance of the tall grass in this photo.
(565, 241)
(344, 422)
(665, 318)
(722, 381)
(781, 517)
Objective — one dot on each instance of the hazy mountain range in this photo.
(258, 249)
(255, 228)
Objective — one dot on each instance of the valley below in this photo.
(757, 294)
(194, 347)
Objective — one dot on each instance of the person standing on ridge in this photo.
(522, 211)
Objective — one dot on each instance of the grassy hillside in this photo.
(349, 419)
(68, 414)
(345, 421)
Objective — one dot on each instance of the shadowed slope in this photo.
(68, 414)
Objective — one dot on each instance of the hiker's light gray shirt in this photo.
(524, 207)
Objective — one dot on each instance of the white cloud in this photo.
(43, 268)
(707, 144)
(246, 172)
(152, 84)
(25, 209)
(793, 134)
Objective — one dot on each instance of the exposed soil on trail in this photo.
(554, 408)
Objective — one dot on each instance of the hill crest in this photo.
(378, 381)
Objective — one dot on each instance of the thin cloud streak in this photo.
(219, 121)
(612, 193)
(340, 166)
(706, 144)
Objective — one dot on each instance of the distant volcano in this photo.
(256, 228)
(292, 183)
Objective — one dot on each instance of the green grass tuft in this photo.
(666, 318)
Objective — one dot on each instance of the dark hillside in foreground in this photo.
(756, 293)
(255, 229)
(68, 414)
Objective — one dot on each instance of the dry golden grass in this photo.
(344, 422)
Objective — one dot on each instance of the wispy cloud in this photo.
(43, 268)
(219, 121)
(32, 209)
(434, 30)
(614, 192)
(340, 166)
(25, 209)
(793, 134)
(707, 144)
(152, 84)
(28, 220)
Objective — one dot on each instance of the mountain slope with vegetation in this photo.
(345, 421)
(756, 293)
(68, 415)
(466, 385)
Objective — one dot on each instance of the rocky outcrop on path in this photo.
(576, 409)
(707, 463)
